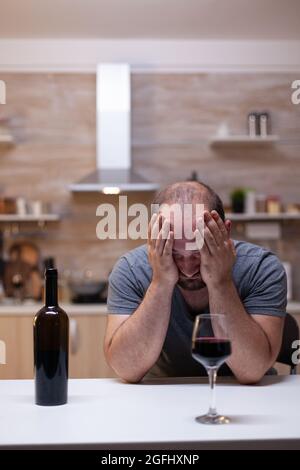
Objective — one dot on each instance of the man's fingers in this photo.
(159, 244)
(232, 247)
(199, 240)
(154, 231)
(205, 252)
(201, 243)
(213, 227)
(220, 224)
(209, 241)
(165, 229)
(162, 236)
(169, 244)
(150, 227)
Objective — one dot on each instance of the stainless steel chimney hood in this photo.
(113, 173)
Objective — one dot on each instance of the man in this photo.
(156, 290)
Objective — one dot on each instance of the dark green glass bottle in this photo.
(51, 347)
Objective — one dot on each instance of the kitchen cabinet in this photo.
(16, 332)
(86, 358)
(86, 347)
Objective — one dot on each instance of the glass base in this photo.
(212, 419)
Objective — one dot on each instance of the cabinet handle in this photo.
(74, 336)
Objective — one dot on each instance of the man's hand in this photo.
(160, 244)
(217, 253)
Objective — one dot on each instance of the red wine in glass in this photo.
(211, 347)
(211, 352)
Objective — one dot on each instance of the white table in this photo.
(109, 414)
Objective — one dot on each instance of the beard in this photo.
(191, 284)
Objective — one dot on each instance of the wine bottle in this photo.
(51, 341)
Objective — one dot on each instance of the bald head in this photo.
(190, 192)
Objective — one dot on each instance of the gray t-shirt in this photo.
(258, 275)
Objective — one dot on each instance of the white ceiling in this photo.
(176, 19)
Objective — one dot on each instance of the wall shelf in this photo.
(14, 218)
(232, 140)
(263, 217)
(243, 140)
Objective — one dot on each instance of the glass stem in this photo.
(212, 375)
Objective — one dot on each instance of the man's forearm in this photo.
(251, 354)
(137, 343)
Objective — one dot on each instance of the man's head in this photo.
(184, 194)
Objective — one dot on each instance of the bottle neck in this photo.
(51, 292)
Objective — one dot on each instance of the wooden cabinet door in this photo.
(86, 347)
(86, 356)
(17, 334)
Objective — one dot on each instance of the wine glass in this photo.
(211, 347)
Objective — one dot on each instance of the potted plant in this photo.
(238, 197)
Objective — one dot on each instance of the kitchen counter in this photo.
(108, 414)
(88, 309)
(31, 308)
(293, 308)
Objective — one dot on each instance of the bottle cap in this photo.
(51, 272)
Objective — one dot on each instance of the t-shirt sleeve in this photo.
(124, 295)
(268, 288)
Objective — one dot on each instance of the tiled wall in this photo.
(52, 117)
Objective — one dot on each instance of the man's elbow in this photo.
(249, 380)
(131, 379)
(128, 377)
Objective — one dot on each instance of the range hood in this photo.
(113, 172)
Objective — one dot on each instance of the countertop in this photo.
(31, 308)
(86, 309)
(108, 414)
